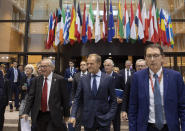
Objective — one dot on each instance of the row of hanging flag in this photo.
(67, 27)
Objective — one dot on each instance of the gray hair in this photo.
(140, 60)
(109, 60)
(30, 66)
(50, 62)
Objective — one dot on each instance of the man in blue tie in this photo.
(157, 96)
(96, 96)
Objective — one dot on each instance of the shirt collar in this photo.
(49, 76)
(158, 73)
(110, 73)
(97, 74)
(84, 73)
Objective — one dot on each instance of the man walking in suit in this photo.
(69, 74)
(48, 100)
(76, 80)
(157, 96)
(14, 77)
(127, 71)
(96, 95)
(108, 66)
(140, 65)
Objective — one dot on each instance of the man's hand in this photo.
(124, 115)
(119, 100)
(70, 79)
(24, 88)
(24, 116)
(66, 119)
(73, 121)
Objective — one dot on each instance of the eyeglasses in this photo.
(154, 56)
(44, 66)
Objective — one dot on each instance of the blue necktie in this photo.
(158, 104)
(94, 85)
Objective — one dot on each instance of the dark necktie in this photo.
(158, 104)
(44, 96)
(94, 85)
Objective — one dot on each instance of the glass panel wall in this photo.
(12, 9)
(12, 36)
(37, 37)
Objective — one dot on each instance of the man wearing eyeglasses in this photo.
(157, 96)
(48, 100)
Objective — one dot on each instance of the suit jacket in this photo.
(58, 99)
(174, 100)
(101, 107)
(126, 95)
(122, 73)
(68, 74)
(75, 82)
(10, 75)
(119, 84)
(1, 87)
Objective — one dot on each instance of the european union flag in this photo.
(111, 29)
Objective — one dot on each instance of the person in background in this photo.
(76, 80)
(140, 64)
(96, 96)
(69, 74)
(25, 87)
(14, 76)
(39, 72)
(127, 71)
(157, 96)
(48, 100)
(116, 69)
(5, 94)
(117, 80)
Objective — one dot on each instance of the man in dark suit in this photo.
(2, 101)
(108, 66)
(96, 95)
(48, 100)
(157, 96)
(76, 80)
(127, 71)
(140, 65)
(69, 74)
(14, 77)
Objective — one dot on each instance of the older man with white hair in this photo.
(48, 99)
(109, 67)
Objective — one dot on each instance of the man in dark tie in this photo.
(108, 66)
(157, 96)
(14, 77)
(76, 80)
(69, 74)
(140, 65)
(48, 100)
(96, 95)
(127, 71)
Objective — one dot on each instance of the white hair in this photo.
(110, 61)
(31, 67)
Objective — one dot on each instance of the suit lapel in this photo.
(101, 81)
(146, 84)
(52, 85)
(89, 83)
(40, 85)
(165, 82)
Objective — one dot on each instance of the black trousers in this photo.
(117, 119)
(96, 127)
(15, 91)
(44, 123)
(151, 127)
(2, 111)
(78, 120)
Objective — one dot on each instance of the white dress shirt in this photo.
(15, 74)
(151, 96)
(126, 77)
(98, 76)
(81, 73)
(49, 80)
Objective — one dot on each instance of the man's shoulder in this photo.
(57, 76)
